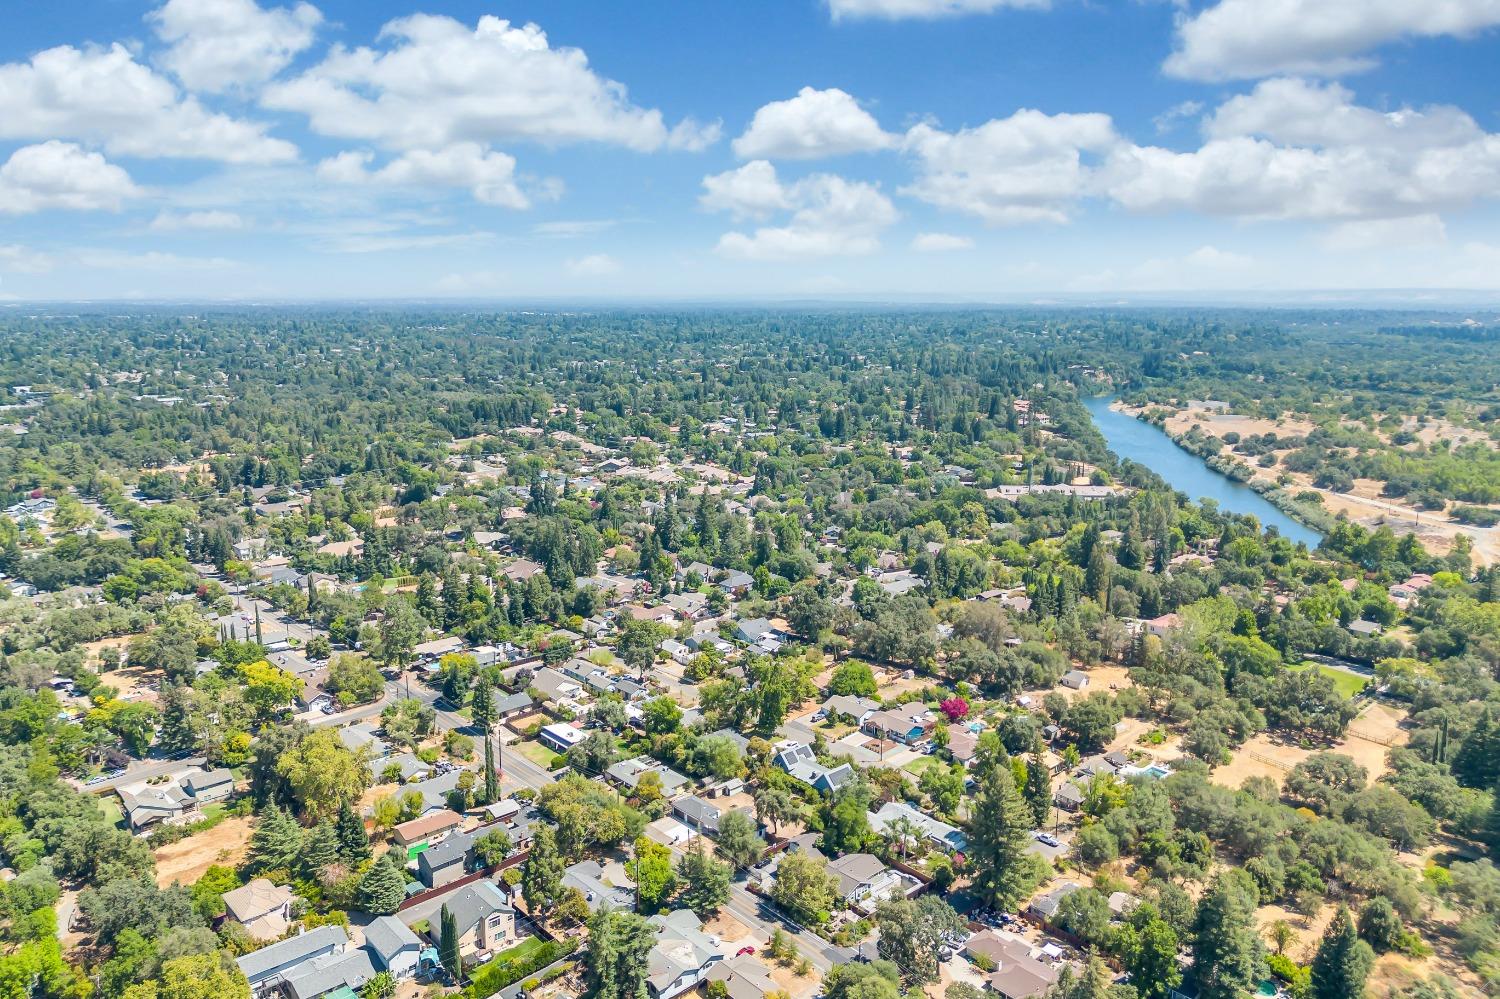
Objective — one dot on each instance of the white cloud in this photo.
(593, 265)
(471, 282)
(1030, 167)
(150, 260)
(751, 192)
(488, 175)
(105, 96)
(24, 260)
(940, 242)
(1291, 149)
(372, 243)
(924, 9)
(813, 124)
(831, 216)
(201, 221)
(1416, 232)
(1238, 39)
(1213, 258)
(217, 45)
(62, 175)
(439, 82)
(1177, 113)
(572, 228)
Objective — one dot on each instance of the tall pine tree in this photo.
(1227, 953)
(354, 844)
(1343, 961)
(1000, 825)
(448, 945)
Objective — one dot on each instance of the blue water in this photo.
(1184, 471)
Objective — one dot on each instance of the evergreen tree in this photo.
(491, 774)
(1038, 790)
(620, 946)
(541, 877)
(1000, 825)
(320, 848)
(178, 732)
(448, 949)
(354, 845)
(705, 880)
(276, 842)
(1092, 981)
(1148, 946)
(1227, 953)
(1489, 834)
(482, 703)
(1477, 762)
(383, 888)
(1343, 961)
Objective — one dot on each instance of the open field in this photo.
(186, 860)
(1348, 684)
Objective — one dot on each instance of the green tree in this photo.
(541, 875)
(804, 888)
(912, 931)
(661, 715)
(354, 844)
(999, 837)
(654, 877)
(1148, 945)
(738, 841)
(276, 841)
(320, 848)
(323, 774)
(200, 976)
(449, 955)
(1227, 954)
(383, 888)
(1343, 961)
(1038, 789)
(853, 678)
(638, 643)
(705, 881)
(620, 946)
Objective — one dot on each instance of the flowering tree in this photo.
(956, 708)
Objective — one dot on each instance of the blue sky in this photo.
(944, 149)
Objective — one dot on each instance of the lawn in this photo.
(1348, 684)
(110, 806)
(539, 754)
(921, 765)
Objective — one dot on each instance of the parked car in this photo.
(744, 952)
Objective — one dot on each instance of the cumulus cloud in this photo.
(813, 124)
(62, 175)
(940, 242)
(1240, 39)
(200, 221)
(1292, 149)
(217, 45)
(488, 175)
(593, 265)
(24, 260)
(105, 96)
(1030, 167)
(437, 82)
(830, 216)
(924, 9)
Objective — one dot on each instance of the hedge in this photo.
(490, 978)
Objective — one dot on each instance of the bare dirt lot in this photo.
(1371, 735)
(186, 860)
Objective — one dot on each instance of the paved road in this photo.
(143, 770)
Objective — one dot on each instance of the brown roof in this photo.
(427, 825)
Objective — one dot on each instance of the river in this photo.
(1184, 471)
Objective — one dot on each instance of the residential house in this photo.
(683, 955)
(677, 651)
(209, 786)
(446, 860)
(1045, 906)
(394, 946)
(554, 686)
(1161, 626)
(1068, 797)
(908, 724)
(798, 760)
(435, 649)
(262, 908)
(1074, 679)
(361, 736)
(486, 921)
(849, 706)
(152, 804)
(701, 815)
(735, 583)
(560, 737)
(1364, 628)
(521, 570)
(744, 977)
(268, 969)
(426, 829)
(588, 877)
(627, 774)
(1018, 973)
(864, 882)
(963, 746)
(512, 705)
(939, 834)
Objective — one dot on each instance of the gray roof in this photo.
(518, 701)
(257, 963)
(588, 877)
(454, 848)
(387, 936)
(322, 975)
(194, 783)
(475, 902)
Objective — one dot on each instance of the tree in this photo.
(738, 841)
(1148, 947)
(1282, 935)
(804, 888)
(912, 931)
(541, 876)
(774, 805)
(945, 786)
(493, 847)
(482, 704)
(846, 825)
(354, 844)
(276, 841)
(809, 613)
(638, 643)
(1343, 961)
(661, 715)
(1379, 925)
(449, 955)
(323, 774)
(595, 754)
(853, 678)
(354, 680)
(269, 689)
(705, 881)
(383, 888)
(1038, 789)
(1226, 952)
(876, 980)
(200, 976)
(1000, 834)
(320, 848)
(1092, 981)
(620, 946)
(655, 879)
